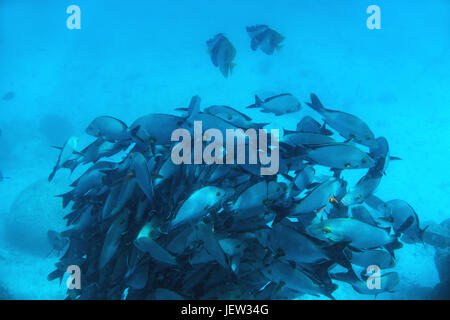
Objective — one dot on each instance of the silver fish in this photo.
(278, 105)
(346, 124)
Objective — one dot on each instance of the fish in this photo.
(148, 245)
(155, 128)
(67, 153)
(301, 139)
(365, 187)
(234, 116)
(361, 213)
(340, 156)
(404, 220)
(222, 53)
(293, 278)
(438, 235)
(388, 282)
(113, 237)
(378, 257)
(354, 231)
(347, 125)
(317, 198)
(292, 245)
(108, 128)
(255, 199)
(265, 38)
(137, 219)
(309, 125)
(199, 204)
(279, 105)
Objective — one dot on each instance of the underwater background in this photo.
(136, 57)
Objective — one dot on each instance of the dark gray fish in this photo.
(340, 156)
(380, 152)
(108, 128)
(234, 116)
(309, 125)
(378, 257)
(101, 149)
(404, 220)
(148, 245)
(437, 235)
(222, 53)
(354, 231)
(346, 124)
(142, 173)
(67, 153)
(361, 213)
(156, 129)
(265, 38)
(199, 204)
(278, 105)
(300, 139)
(365, 187)
(388, 282)
(293, 246)
(112, 239)
(293, 278)
(318, 198)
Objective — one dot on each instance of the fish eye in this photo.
(358, 197)
(218, 193)
(348, 165)
(230, 117)
(364, 160)
(326, 230)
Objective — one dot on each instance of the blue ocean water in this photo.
(136, 57)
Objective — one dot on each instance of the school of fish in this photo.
(142, 227)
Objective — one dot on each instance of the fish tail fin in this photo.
(194, 106)
(390, 247)
(133, 134)
(337, 254)
(421, 232)
(257, 104)
(72, 164)
(52, 174)
(315, 103)
(66, 198)
(329, 289)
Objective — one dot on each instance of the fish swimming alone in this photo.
(222, 53)
(265, 38)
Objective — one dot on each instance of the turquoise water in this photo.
(135, 57)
